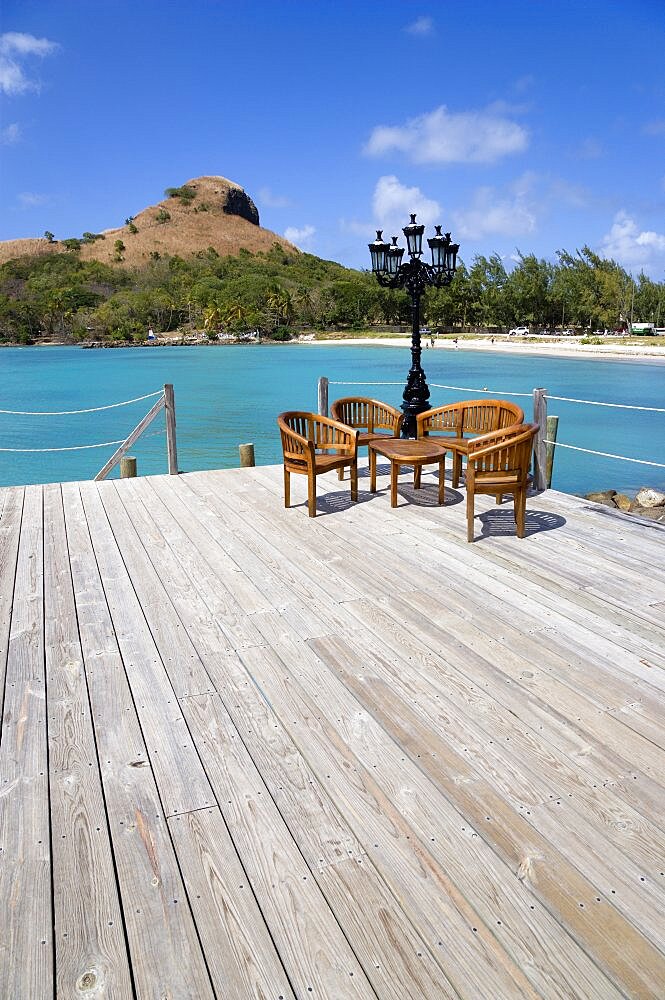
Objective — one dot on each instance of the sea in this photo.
(230, 395)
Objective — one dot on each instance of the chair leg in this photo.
(442, 480)
(394, 472)
(287, 488)
(520, 509)
(311, 494)
(499, 498)
(354, 481)
(469, 514)
(457, 469)
(372, 470)
(340, 473)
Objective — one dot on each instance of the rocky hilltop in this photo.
(204, 212)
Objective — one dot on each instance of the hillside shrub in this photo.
(162, 216)
(72, 244)
(185, 193)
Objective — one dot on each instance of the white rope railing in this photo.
(66, 413)
(493, 392)
(499, 393)
(607, 454)
(77, 447)
(435, 385)
(595, 402)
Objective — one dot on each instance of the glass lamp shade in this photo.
(394, 256)
(378, 250)
(439, 244)
(452, 257)
(414, 237)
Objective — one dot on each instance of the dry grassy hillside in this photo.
(213, 218)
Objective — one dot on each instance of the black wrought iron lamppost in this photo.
(414, 275)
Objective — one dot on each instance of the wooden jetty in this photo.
(249, 754)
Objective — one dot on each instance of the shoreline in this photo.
(575, 350)
(606, 352)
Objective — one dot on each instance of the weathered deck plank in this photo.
(343, 757)
(165, 953)
(26, 935)
(90, 949)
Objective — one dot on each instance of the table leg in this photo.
(417, 469)
(394, 472)
(372, 470)
(442, 480)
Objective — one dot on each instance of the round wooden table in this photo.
(405, 451)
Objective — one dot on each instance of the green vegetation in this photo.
(185, 193)
(92, 237)
(162, 216)
(280, 294)
(49, 237)
(72, 244)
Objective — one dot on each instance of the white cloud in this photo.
(445, 137)
(628, 245)
(362, 229)
(16, 46)
(270, 200)
(589, 149)
(28, 199)
(10, 134)
(393, 201)
(421, 27)
(656, 127)
(492, 213)
(301, 237)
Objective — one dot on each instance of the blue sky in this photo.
(517, 125)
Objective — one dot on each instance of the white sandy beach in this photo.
(561, 349)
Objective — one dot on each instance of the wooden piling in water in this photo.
(246, 456)
(540, 418)
(552, 426)
(323, 396)
(169, 405)
(128, 467)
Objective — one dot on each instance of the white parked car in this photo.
(519, 331)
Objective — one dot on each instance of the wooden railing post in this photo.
(323, 396)
(550, 447)
(539, 456)
(172, 451)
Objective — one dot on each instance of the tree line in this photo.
(279, 293)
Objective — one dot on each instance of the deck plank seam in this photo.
(220, 805)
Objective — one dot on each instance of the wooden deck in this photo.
(249, 754)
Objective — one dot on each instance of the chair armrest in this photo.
(494, 441)
(332, 435)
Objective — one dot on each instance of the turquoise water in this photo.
(229, 395)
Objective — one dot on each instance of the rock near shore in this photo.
(648, 503)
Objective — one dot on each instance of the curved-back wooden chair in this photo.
(499, 463)
(370, 417)
(458, 423)
(313, 444)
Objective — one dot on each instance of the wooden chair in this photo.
(458, 423)
(306, 439)
(371, 418)
(499, 463)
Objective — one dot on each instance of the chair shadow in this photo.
(427, 495)
(334, 502)
(500, 521)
